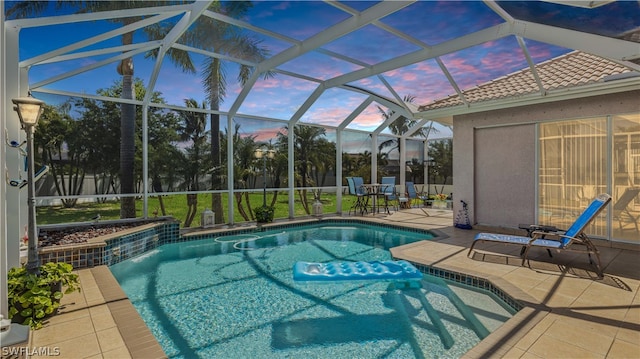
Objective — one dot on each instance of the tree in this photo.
(323, 161)
(163, 155)
(101, 121)
(442, 153)
(61, 142)
(417, 170)
(223, 38)
(309, 146)
(125, 69)
(244, 168)
(348, 164)
(400, 126)
(192, 131)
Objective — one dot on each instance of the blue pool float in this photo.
(336, 271)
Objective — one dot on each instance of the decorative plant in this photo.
(264, 214)
(33, 298)
(440, 197)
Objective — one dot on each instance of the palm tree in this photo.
(442, 153)
(243, 167)
(192, 130)
(223, 38)
(128, 111)
(323, 161)
(400, 126)
(308, 143)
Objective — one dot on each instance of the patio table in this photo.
(373, 189)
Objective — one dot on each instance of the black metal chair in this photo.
(357, 189)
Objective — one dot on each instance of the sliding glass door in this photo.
(578, 159)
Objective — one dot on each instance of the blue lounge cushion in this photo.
(560, 240)
(336, 271)
(505, 238)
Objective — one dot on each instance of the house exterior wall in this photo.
(494, 155)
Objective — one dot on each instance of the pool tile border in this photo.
(473, 281)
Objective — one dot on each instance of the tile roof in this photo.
(575, 68)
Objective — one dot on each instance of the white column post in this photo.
(374, 158)
(339, 171)
(12, 204)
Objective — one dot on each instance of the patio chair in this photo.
(388, 189)
(621, 210)
(413, 195)
(559, 240)
(357, 189)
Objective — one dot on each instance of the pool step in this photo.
(445, 336)
(466, 312)
(400, 308)
(413, 290)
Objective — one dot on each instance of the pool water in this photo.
(234, 296)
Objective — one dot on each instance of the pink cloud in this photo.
(266, 134)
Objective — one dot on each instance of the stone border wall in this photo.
(113, 248)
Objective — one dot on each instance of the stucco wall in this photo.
(494, 154)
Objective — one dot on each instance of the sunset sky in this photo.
(431, 22)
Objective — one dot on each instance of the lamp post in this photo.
(264, 153)
(29, 110)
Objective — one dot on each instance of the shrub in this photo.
(33, 298)
(264, 214)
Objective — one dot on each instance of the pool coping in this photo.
(135, 333)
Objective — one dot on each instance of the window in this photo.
(626, 177)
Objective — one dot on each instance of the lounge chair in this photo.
(558, 240)
(621, 209)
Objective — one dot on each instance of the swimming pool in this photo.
(234, 296)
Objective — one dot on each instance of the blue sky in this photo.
(431, 22)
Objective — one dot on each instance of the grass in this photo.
(176, 206)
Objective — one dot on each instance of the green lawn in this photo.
(176, 206)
